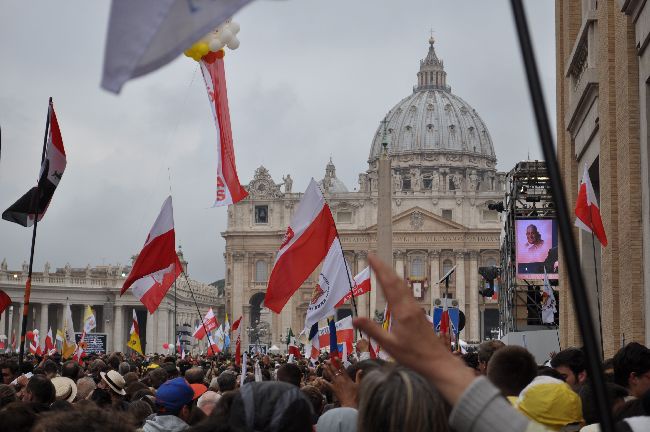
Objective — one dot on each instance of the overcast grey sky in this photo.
(311, 79)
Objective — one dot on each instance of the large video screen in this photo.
(536, 248)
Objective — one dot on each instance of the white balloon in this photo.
(225, 35)
(233, 44)
(233, 27)
(216, 44)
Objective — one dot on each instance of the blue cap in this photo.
(174, 394)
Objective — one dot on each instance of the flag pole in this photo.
(198, 311)
(600, 319)
(347, 270)
(28, 284)
(169, 177)
(571, 261)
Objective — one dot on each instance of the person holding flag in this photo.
(50, 348)
(134, 335)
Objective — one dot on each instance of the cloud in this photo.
(311, 80)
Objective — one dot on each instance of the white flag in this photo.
(69, 341)
(333, 285)
(548, 302)
(144, 35)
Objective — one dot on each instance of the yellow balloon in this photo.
(202, 48)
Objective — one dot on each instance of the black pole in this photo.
(189, 287)
(175, 323)
(28, 284)
(600, 316)
(572, 263)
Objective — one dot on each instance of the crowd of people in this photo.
(423, 387)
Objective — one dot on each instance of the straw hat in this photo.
(115, 381)
(66, 389)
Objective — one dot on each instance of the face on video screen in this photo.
(536, 248)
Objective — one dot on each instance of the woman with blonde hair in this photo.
(395, 399)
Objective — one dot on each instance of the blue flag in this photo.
(334, 346)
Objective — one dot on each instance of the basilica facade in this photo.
(443, 168)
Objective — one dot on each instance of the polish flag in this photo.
(361, 286)
(587, 210)
(306, 243)
(236, 331)
(293, 349)
(213, 345)
(50, 348)
(444, 321)
(229, 191)
(157, 266)
(209, 323)
(178, 344)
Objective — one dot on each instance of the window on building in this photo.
(261, 214)
(426, 183)
(490, 216)
(261, 271)
(344, 216)
(406, 183)
(446, 266)
(491, 262)
(417, 267)
(447, 214)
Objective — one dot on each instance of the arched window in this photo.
(446, 266)
(261, 271)
(491, 262)
(417, 267)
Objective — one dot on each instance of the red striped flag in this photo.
(157, 266)
(306, 243)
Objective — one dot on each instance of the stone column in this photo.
(151, 332)
(238, 283)
(107, 316)
(434, 287)
(246, 323)
(118, 329)
(362, 301)
(399, 262)
(171, 334)
(162, 329)
(44, 323)
(3, 326)
(474, 318)
(11, 310)
(18, 322)
(460, 282)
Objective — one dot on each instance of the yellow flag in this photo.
(134, 339)
(89, 320)
(69, 342)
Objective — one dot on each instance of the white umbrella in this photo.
(274, 349)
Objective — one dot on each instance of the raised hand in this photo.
(412, 341)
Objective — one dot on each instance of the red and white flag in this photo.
(157, 266)
(306, 243)
(209, 323)
(38, 198)
(34, 343)
(236, 332)
(229, 191)
(50, 347)
(178, 344)
(361, 286)
(294, 349)
(587, 210)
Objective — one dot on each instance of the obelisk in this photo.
(384, 214)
